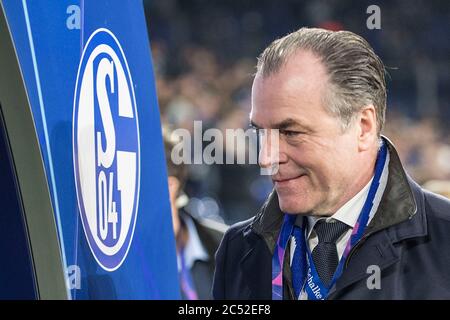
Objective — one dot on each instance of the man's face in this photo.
(317, 160)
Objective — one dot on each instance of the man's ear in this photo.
(367, 127)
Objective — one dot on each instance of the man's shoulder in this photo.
(238, 229)
(434, 205)
(241, 239)
(437, 206)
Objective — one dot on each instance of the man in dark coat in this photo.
(344, 220)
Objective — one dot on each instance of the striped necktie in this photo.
(325, 255)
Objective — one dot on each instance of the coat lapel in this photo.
(256, 271)
(261, 237)
(376, 251)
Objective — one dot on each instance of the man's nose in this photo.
(269, 153)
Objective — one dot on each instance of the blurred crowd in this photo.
(204, 57)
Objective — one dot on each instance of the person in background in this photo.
(197, 239)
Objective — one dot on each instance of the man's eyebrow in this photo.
(287, 123)
(283, 125)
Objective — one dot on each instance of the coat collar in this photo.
(398, 203)
(401, 206)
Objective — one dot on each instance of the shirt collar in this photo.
(347, 214)
(194, 249)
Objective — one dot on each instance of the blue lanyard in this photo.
(303, 269)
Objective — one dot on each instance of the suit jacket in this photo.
(408, 239)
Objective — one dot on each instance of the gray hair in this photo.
(356, 73)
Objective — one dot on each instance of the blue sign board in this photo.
(88, 74)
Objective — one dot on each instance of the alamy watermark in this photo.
(73, 277)
(234, 146)
(374, 20)
(73, 21)
(374, 280)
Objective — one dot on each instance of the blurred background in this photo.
(204, 55)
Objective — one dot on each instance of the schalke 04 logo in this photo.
(106, 149)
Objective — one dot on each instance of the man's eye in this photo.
(289, 133)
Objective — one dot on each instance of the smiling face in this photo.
(320, 167)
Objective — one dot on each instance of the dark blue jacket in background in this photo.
(408, 239)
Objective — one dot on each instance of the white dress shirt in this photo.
(348, 214)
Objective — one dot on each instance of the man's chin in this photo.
(291, 207)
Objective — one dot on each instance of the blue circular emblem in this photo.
(106, 149)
